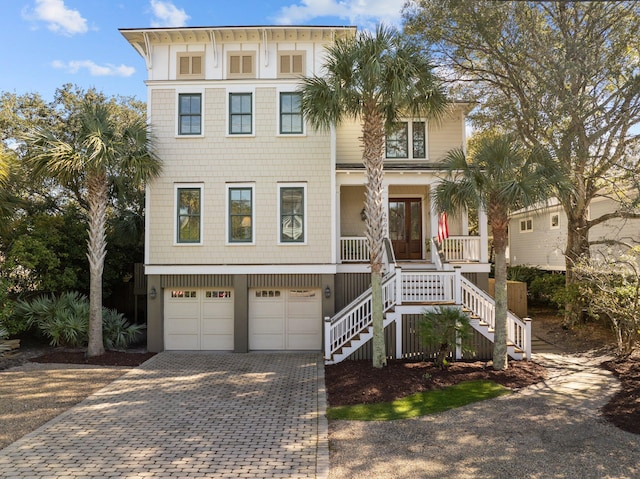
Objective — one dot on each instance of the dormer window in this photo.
(241, 65)
(290, 64)
(190, 66)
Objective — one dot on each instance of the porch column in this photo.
(433, 220)
(484, 235)
(465, 222)
(336, 251)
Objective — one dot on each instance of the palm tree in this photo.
(91, 156)
(374, 78)
(499, 175)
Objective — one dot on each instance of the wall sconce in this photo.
(153, 293)
(363, 215)
(327, 292)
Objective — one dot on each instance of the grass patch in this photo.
(421, 404)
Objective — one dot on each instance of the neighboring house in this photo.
(255, 230)
(538, 236)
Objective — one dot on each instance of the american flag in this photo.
(443, 227)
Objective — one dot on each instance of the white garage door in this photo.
(198, 319)
(281, 319)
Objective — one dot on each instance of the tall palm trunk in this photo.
(499, 227)
(97, 197)
(372, 157)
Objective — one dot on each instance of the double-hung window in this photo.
(189, 214)
(240, 203)
(292, 214)
(290, 114)
(526, 225)
(240, 114)
(397, 142)
(189, 114)
(418, 139)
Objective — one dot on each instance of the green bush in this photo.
(445, 327)
(64, 320)
(8, 320)
(549, 288)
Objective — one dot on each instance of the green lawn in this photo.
(420, 404)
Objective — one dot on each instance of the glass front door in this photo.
(405, 227)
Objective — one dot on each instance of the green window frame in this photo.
(188, 214)
(397, 141)
(292, 209)
(240, 113)
(241, 214)
(418, 137)
(291, 114)
(190, 114)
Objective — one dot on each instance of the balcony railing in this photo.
(354, 249)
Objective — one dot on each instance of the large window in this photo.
(240, 113)
(292, 214)
(397, 141)
(418, 143)
(290, 114)
(190, 114)
(189, 213)
(240, 214)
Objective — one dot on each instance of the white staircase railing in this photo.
(428, 286)
(483, 306)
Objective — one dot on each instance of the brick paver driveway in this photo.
(189, 415)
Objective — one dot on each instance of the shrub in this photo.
(116, 330)
(445, 327)
(549, 288)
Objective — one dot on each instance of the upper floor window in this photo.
(190, 65)
(290, 64)
(526, 225)
(189, 213)
(189, 114)
(241, 65)
(397, 140)
(240, 113)
(292, 214)
(240, 202)
(290, 114)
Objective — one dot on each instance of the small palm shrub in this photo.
(445, 327)
(3, 334)
(117, 332)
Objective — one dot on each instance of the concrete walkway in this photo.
(189, 415)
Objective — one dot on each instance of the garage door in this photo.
(198, 319)
(281, 319)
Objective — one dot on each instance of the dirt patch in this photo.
(357, 382)
(109, 358)
(624, 408)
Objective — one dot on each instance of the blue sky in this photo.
(47, 43)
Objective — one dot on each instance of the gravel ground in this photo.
(516, 436)
(33, 394)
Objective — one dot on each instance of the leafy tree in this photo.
(611, 286)
(374, 78)
(500, 175)
(565, 76)
(98, 146)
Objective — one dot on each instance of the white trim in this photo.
(229, 186)
(279, 91)
(525, 221)
(241, 269)
(551, 226)
(185, 90)
(176, 187)
(240, 89)
(410, 157)
(279, 188)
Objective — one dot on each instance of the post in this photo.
(398, 285)
(327, 337)
(483, 230)
(527, 339)
(457, 285)
(398, 321)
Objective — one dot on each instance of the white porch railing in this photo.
(483, 306)
(461, 248)
(354, 249)
(428, 287)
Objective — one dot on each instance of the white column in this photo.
(433, 222)
(465, 222)
(335, 198)
(385, 206)
(484, 235)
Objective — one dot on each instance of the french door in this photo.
(405, 227)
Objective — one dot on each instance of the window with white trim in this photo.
(554, 221)
(241, 65)
(240, 113)
(292, 213)
(526, 225)
(189, 114)
(190, 65)
(240, 202)
(188, 214)
(291, 114)
(398, 146)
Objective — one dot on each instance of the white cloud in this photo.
(58, 17)
(166, 14)
(94, 69)
(357, 12)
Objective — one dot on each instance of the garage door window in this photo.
(183, 294)
(268, 294)
(218, 294)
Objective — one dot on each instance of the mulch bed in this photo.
(357, 382)
(109, 358)
(624, 408)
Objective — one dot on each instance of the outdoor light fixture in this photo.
(153, 293)
(327, 292)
